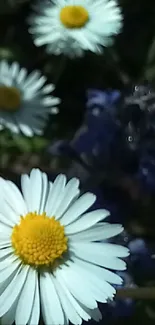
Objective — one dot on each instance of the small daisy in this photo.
(51, 259)
(25, 100)
(73, 26)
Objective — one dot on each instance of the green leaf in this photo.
(149, 70)
(39, 143)
(151, 54)
(24, 144)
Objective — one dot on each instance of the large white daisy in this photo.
(73, 26)
(25, 100)
(51, 259)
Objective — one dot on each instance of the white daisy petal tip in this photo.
(31, 100)
(54, 110)
(106, 213)
(97, 22)
(2, 181)
(92, 196)
(127, 252)
(35, 172)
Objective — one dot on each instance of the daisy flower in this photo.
(73, 26)
(25, 100)
(51, 259)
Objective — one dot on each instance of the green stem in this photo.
(62, 66)
(146, 293)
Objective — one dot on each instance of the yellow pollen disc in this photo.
(39, 240)
(74, 16)
(10, 98)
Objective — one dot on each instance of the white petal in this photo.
(51, 307)
(104, 249)
(68, 309)
(81, 292)
(21, 76)
(35, 86)
(10, 123)
(5, 284)
(54, 110)
(14, 69)
(19, 198)
(5, 243)
(4, 229)
(77, 208)
(36, 189)
(6, 221)
(87, 221)
(6, 235)
(100, 289)
(8, 261)
(115, 250)
(70, 192)
(9, 317)
(5, 273)
(26, 189)
(11, 293)
(95, 314)
(25, 303)
(25, 129)
(56, 195)
(13, 205)
(101, 273)
(48, 88)
(6, 251)
(94, 256)
(35, 313)
(9, 212)
(45, 191)
(31, 79)
(4, 68)
(97, 233)
(72, 308)
(49, 101)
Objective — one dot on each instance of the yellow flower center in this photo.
(10, 98)
(39, 240)
(74, 16)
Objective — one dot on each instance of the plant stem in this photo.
(144, 293)
(61, 69)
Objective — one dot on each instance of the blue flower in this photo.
(142, 261)
(97, 133)
(102, 99)
(138, 247)
(99, 127)
(116, 123)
